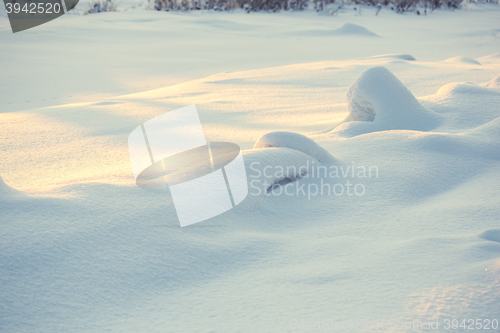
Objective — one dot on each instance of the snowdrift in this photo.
(7, 192)
(378, 101)
(348, 29)
(493, 83)
(295, 141)
(463, 60)
(464, 105)
(106, 249)
(492, 235)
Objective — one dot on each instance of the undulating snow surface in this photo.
(373, 162)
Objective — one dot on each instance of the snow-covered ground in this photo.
(403, 107)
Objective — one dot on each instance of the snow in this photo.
(269, 167)
(346, 29)
(6, 192)
(379, 97)
(492, 235)
(83, 249)
(494, 83)
(463, 60)
(295, 141)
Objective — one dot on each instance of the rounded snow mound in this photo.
(493, 83)
(380, 98)
(295, 141)
(347, 29)
(464, 88)
(354, 29)
(492, 58)
(7, 192)
(491, 235)
(399, 56)
(465, 105)
(462, 60)
(225, 24)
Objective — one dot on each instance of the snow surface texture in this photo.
(83, 249)
(433, 205)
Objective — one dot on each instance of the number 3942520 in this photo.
(33, 8)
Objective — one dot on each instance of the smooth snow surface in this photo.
(412, 140)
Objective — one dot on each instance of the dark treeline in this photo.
(331, 6)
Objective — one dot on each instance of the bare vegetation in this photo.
(328, 6)
(100, 6)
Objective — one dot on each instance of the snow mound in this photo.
(379, 97)
(463, 60)
(295, 141)
(490, 130)
(492, 58)
(464, 105)
(3, 187)
(480, 143)
(452, 90)
(493, 83)
(7, 192)
(347, 29)
(266, 167)
(354, 29)
(491, 235)
(225, 24)
(408, 57)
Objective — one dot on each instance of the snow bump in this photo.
(399, 56)
(347, 29)
(493, 83)
(379, 97)
(491, 235)
(462, 60)
(295, 141)
(7, 192)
